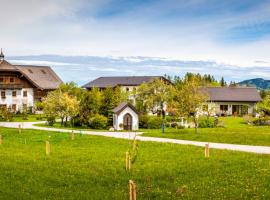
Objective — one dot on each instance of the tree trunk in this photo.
(62, 121)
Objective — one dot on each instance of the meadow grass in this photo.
(235, 131)
(30, 118)
(92, 167)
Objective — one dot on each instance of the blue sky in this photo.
(92, 38)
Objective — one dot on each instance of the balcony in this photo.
(11, 86)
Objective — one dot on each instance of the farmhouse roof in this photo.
(122, 106)
(113, 81)
(234, 94)
(42, 77)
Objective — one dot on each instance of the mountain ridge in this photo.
(259, 83)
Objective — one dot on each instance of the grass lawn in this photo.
(58, 125)
(234, 132)
(92, 167)
(30, 118)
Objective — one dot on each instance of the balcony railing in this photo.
(11, 86)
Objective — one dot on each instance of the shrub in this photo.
(98, 122)
(206, 123)
(154, 123)
(143, 121)
(6, 114)
(262, 121)
(51, 120)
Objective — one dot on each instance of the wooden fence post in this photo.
(132, 190)
(206, 151)
(1, 139)
(48, 148)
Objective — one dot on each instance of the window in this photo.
(3, 94)
(1, 79)
(205, 108)
(127, 89)
(30, 71)
(14, 93)
(24, 107)
(14, 107)
(24, 93)
(11, 80)
(224, 107)
(43, 71)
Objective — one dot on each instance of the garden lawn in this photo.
(92, 167)
(69, 127)
(235, 131)
(30, 118)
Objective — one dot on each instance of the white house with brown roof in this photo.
(225, 101)
(22, 85)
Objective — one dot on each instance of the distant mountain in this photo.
(259, 83)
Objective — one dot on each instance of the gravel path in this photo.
(131, 135)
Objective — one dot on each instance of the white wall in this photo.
(19, 100)
(119, 119)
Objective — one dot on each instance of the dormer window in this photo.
(30, 71)
(43, 71)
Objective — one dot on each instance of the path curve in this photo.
(131, 135)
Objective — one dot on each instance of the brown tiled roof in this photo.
(42, 77)
(113, 81)
(6, 66)
(122, 106)
(234, 94)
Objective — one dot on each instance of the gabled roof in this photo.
(122, 106)
(113, 81)
(234, 94)
(42, 77)
(6, 66)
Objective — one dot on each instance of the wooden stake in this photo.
(127, 161)
(132, 190)
(48, 148)
(72, 135)
(206, 151)
(20, 126)
(1, 139)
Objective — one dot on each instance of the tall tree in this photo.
(154, 96)
(222, 82)
(188, 99)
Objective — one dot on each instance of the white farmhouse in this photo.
(22, 85)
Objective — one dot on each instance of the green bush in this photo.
(51, 120)
(154, 123)
(98, 122)
(143, 121)
(6, 114)
(262, 121)
(206, 123)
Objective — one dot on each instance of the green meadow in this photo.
(235, 131)
(92, 167)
